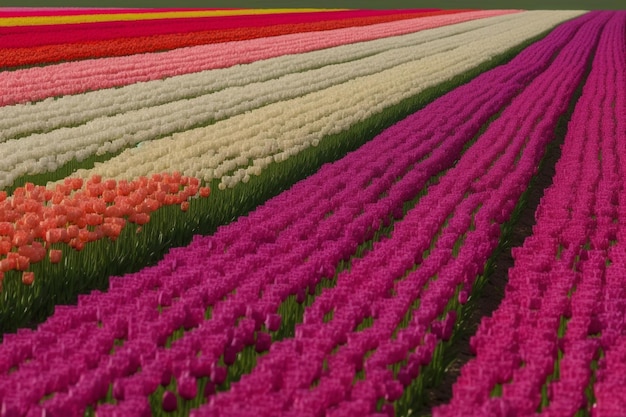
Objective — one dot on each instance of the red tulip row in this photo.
(29, 36)
(13, 57)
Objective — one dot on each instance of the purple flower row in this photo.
(564, 304)
(482, 188)
(285, 247)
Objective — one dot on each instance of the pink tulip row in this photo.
(77, 77)
(563, 312)
(278, 251)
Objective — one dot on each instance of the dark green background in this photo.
(362, 4)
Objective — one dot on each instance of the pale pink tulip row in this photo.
(37, 83)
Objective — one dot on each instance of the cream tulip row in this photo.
(246, 144)
(24, 119)
(45, 152)
(40, 153)
(89, 75)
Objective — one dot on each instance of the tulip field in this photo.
(300, 212)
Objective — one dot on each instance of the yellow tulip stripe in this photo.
(92, 18)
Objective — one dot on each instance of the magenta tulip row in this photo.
(561, 322)
(287, 246)
(488, 175)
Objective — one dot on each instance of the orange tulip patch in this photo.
(78, 212)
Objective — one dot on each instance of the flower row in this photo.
(59, 19)
(110, 134)
(235, 149)
(77, 212)
(77, 77)
(558, 327)
(72, 110)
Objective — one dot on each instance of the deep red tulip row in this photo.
(59, 34)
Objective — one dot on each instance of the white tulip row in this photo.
(244, 145)
(50, 80)
(24, 119)
(45, 152)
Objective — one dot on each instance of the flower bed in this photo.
(351, 185)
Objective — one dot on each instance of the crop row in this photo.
(36, 83)
(361, 77)
(77, 213)
(223, 294)
(554, 344)
(64, 19)
(237, 148)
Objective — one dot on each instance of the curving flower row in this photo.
(36, 83)
(75, 110)
(554, 345)
(409, 219)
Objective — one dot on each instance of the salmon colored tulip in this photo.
(6, 265)
(139, 218)
(77, 244)
(205, 192)
(22, 263)
(109, 196)
(5, 246)
(20, 238)
(55, 256)
(93, 219)
(111, 230)
(28, 278)
(7, 229)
